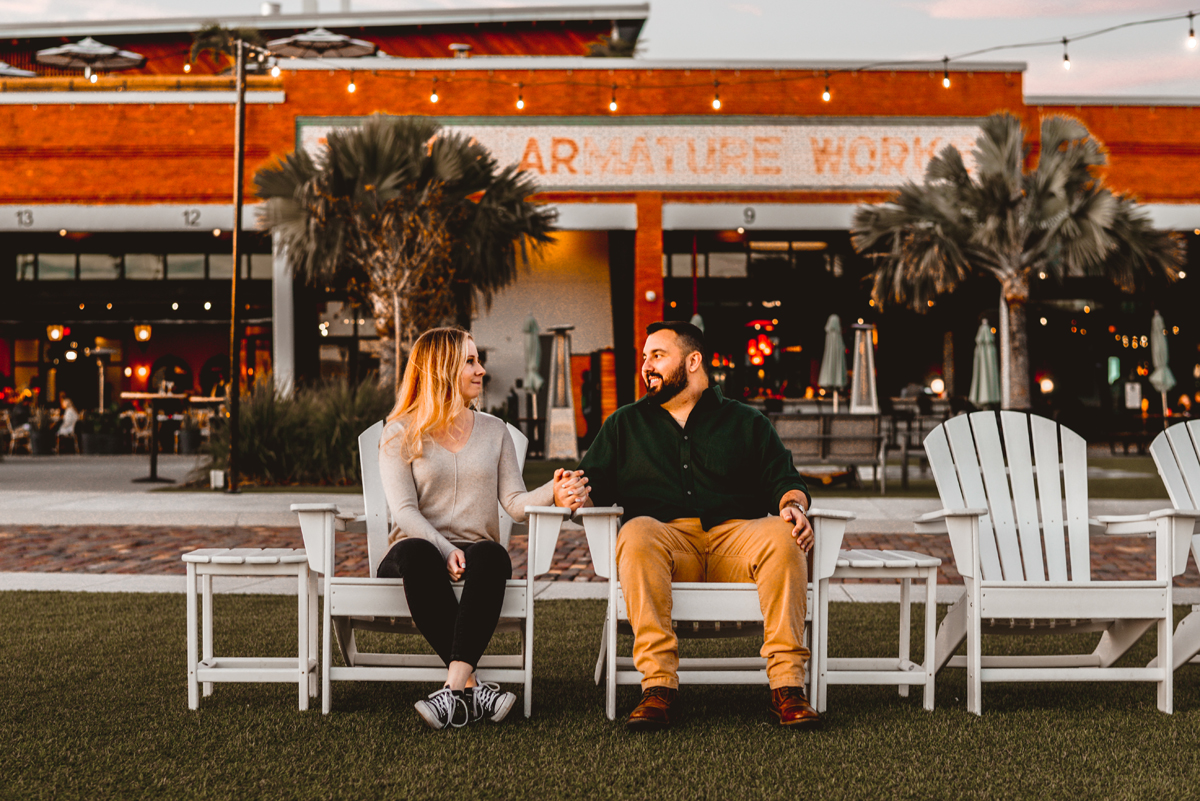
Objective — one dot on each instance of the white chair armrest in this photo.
(545, 523)
(600, 524)
(318, 522)
(829, 527)
(942, 514)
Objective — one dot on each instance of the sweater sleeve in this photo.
(401, 490)
(511, 485)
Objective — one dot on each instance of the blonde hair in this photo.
(430, 396)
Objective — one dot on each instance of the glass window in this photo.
(26, 266)
(220, 266)
(261, 266)
(185, 266)
(99, 267)
(726, 265)
(681, 265)
(144, 266)
(56, 266)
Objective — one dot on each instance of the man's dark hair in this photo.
(691, 338)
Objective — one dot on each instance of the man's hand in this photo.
(456, 563)
(802, 530)
(570, 489)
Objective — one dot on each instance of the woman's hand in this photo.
(570, 488)
(456, 563)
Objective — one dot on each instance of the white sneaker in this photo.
(486, 700)
(444, 709)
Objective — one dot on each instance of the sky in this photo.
(1146, 60)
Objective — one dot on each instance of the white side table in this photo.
(900, 670)
(252, 562)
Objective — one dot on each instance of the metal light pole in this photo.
(239, 170)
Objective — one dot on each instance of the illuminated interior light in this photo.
(207, 305)
(350, 87)
(938, 386)
(1046, 386)
(93, 78)
(825, 95)
(128, 372)
(174, 307)
(62, 232)
(187, 67)
(72, 355)
(1043, 321)
(142, 371)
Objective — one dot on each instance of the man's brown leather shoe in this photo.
(791, 706)
(653, 712)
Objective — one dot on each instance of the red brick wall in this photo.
(647, 272)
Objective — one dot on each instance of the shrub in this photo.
(308, 437)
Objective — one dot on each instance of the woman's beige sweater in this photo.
(442, 496)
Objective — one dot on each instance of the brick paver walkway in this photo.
(152, 550)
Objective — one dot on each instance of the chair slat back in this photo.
(1024, 496)
(1049, 488)
(951, 451)
(995, 479)
(521, 443)
(374, 501)
(1174, 452)
(1075, 495)
(801, 435)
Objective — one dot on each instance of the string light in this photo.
(350, 87)
(716, 104)
(93, 77)
(612, 103)
(946, 72)
(275, 71)
(520, 97)
(187, 67)
(1191, 40)
(1066, 58)
(825, 95)
(433, 95)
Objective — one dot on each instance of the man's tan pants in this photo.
(652, 554)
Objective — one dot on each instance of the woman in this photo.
(444, 466)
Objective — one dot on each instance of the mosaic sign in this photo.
(597, 154)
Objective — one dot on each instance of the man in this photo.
(710, 494)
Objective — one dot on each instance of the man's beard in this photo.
(670, 385)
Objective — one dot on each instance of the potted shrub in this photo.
(189, 434)
(41, 434)
(86, 432)
(107, 427)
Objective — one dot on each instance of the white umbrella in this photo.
(9, 71)
(833, 362)
(985, 368)
(533, 355)
(1162, 378)
(321, 43)
(88, 54)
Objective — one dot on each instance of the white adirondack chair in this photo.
(1020, 536)
(728, 607)
(377, 604)
(1175, 454)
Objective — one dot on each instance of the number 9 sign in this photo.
(748, 215)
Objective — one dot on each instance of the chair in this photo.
(1020, 538)
(1175, 454)
(373, 604)
(141, 430)
(724, 609)
(16, 436)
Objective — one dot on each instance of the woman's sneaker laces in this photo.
(487, 701)
(445, 709)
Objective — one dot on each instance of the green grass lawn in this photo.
(95, 706)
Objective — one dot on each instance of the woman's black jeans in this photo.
(459, 630)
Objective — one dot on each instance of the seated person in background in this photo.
(70, 416)
(710, 494)
(444, 466)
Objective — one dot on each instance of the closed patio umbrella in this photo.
(1162, 378)
(833, 361)
(88, 55)
(985, 368)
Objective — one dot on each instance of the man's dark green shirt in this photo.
(727, 463)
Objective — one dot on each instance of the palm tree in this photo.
(417, 223)
(1001, 220)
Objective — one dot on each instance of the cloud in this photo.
(747, 8)
(1134, 74)
(1023, 9)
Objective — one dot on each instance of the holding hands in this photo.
(570, 489)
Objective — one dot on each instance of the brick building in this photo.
(117, 208)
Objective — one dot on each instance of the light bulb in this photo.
(187, 67)
(433, 97)
(275, 71)
(93, 77)
(716, 103)
(946, 82)
(946, 72)
(520, 103)
(612, 105)
(351, 88)
(1191, 40)
(1066, 62)
(825, 95)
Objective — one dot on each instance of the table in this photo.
(205, 669)
(152, 397)
(898, 670)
